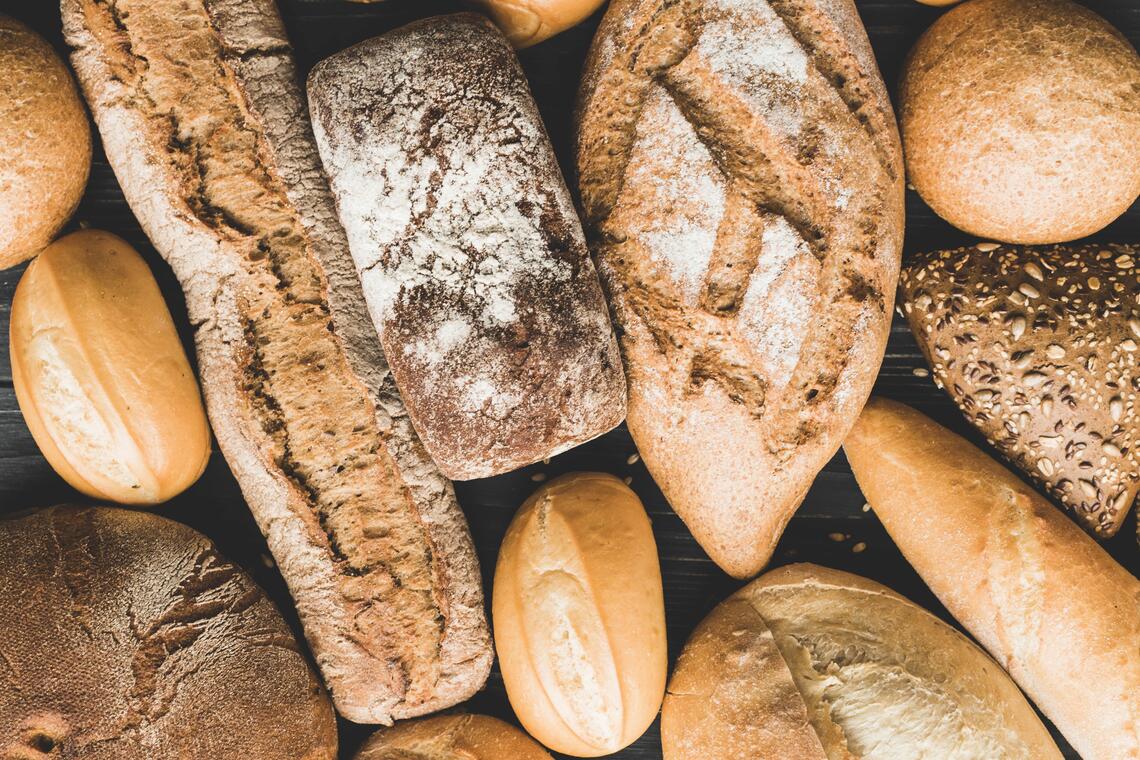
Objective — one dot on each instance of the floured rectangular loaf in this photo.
(203, 121)
(469, 249)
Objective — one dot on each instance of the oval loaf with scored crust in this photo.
(741, 177)
(1040, 348)
(214, 155)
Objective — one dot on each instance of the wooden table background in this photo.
(829, 525)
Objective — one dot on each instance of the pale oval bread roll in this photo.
(807, 663)
(1049, 603)
(579, 616)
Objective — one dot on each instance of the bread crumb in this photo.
(628, 480)
(538, 477)
(632, 459)
(866, 507)
(837, 537)
(920, 372)
(859, 548)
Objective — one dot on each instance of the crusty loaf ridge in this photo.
(470, 251)
(1039, 347)
(1059, 614)
(741, 177)
(127, 636)
(204, 124)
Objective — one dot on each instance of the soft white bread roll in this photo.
(579, 616)
(1049, 603)
(807, 663)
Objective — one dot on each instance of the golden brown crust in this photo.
(529, 22)
(45, 143)
(1051, 606)
(128, 637)
(740, 173)
(1037, 346)
(1020, 120)
(212, 153)
(452, 737)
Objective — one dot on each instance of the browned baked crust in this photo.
(203, 121)
(741, 177)
(126, 636)
(1039, 348)
(471, 255)
(452, 737)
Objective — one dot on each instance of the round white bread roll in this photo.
(451, 737)
(45, 143)
(1021, 120)
(579, 616)
(807, 663)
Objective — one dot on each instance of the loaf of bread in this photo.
(741, 176)
(100, 374)
(468, 246)
(807, 663)
(529, 22)
(1052, 606)
(1038, 347)
(128, 637)
(1020, 120)
(452, 737)
(580, 616)
(45, 143)
(213, 153)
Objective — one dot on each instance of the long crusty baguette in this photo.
(204, 124)
(741, 176)
(1051, 605)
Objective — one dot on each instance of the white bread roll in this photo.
(807, 663)
(579, 616)
(1048, 602)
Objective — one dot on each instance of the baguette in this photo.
(470, 252)
(741, 176)
(203, 121)
(1051, 605)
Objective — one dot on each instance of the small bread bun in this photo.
(529, 22)
(807, 663)
(452, 737)
(128, 637)
(1020, 120)
(579, 616)
(45, 143)
(100, 374)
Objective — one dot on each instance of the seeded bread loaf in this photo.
(1039, 348)
(1055, 610)
(128, 637)
(470, 251)
(741, 177)
(807, 663)
(203, 122)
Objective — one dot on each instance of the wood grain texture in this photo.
(829, 527)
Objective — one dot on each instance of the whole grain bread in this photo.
(126, 636)
(807, 663)
(469, 249)
(1055, 610)
(1039, 348)
(203, 121)
(741, 177)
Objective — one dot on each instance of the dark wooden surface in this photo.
(827, 529)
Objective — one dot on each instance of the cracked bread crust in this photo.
(741, 177)
(470, 252)
(160, 648)
(213, 152)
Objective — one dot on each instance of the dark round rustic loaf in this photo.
(126, 636)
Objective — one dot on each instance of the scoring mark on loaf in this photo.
(319, 427)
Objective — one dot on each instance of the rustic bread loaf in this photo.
(128, 637)
(204, 124)
(102, 380)
(469, 248)
(45, 143)
(1020, 120)
(529, 22)
(741, 177)
(580, 616)
(1049, 603)
(807, 663)
(452, 737)
(1039, 348)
